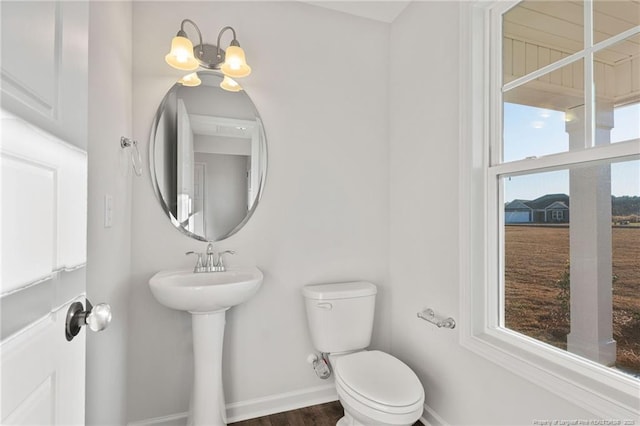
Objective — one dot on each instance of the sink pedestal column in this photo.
(207, 400)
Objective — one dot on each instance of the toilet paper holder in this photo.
(429, 315)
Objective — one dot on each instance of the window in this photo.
(557, 215)
(551, 187)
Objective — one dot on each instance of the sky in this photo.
(530, 131)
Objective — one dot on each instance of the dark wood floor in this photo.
(317, 415)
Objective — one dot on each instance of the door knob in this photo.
(97, 318)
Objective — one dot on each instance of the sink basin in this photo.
(205, 292)
(207, 296)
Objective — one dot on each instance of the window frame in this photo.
(557, 215)
(600, 390)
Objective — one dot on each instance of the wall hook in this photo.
(136, 158)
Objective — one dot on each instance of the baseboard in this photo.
(279, 403)
(431, 418)
(258, 407)
(179, 419)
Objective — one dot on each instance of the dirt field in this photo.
(537, 257)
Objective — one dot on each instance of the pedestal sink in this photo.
(207, 296)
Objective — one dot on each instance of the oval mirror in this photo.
(208, 158)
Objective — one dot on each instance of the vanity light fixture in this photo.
(184, 56)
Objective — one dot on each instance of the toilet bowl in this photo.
(377, 389)
(374, 388)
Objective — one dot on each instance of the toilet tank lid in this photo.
(344, 290)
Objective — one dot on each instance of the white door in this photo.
(43, 235)
(43, 215)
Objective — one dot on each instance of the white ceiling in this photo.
(385, 11)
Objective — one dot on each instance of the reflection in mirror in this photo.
(208, 158)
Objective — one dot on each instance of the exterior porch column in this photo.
(591, 276)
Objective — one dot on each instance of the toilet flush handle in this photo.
(325, 305)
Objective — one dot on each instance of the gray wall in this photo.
(225, 192)
(109, 249)
(323, 216)
(461, 387)
(344, 149)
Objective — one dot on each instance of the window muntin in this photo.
(536, 241)
(599, 390)
(536, 113)
(564, 110)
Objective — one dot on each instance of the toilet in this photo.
(374, 387)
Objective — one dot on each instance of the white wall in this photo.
(320, 83)
(333, 113)
(461, 387)
(109, 249)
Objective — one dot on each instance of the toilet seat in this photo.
(379, 381)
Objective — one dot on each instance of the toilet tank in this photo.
(340, 315)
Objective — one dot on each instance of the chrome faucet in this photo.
(211, 264)
(220, 263)
(199, 266)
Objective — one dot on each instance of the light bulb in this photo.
(190, 80)
(235, 63)
(230, 85)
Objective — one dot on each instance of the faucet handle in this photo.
(220, 263)
(199, 267)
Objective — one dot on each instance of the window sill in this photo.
(605, 392)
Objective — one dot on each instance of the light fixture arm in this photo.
(234, 42)
(182, 32)
(187, 57)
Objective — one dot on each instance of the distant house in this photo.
(517, 211)
(550, 208)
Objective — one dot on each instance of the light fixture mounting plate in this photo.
(207, 55)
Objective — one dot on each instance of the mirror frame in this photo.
(156, 186)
